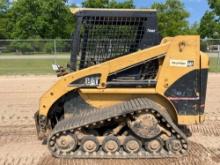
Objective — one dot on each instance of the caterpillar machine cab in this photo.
(127, 93)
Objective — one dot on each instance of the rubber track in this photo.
(107, 114)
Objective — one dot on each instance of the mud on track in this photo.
(19, 145)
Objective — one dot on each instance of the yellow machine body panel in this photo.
(179, 56)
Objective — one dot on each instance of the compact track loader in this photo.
(127, 93)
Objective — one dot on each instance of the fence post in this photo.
(55, 50)
(218, 61)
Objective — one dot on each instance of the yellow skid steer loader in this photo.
(127, 93)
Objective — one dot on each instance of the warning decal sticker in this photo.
(182, 63)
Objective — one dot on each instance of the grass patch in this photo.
(28, 66)
(214, 65)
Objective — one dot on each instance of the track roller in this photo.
(132, 145)
(154, 146)
(66, 143)
(89, 144)
(111, 144)
(173, 145)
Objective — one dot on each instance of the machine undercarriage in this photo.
(138, 128)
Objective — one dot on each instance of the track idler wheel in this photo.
(90, 144)
(154, 146)
(111, 144)
(66, 143)
(132, 145)
(174, 145)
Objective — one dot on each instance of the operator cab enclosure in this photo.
(104, 34)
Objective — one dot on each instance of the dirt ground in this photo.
(19, 145)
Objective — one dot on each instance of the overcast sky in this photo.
(196, 7)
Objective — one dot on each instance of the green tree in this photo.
(215, 5)
(209, 25)
(4, 4)
(172, 18)
(210, 22)
(108, 4)
(40, 19)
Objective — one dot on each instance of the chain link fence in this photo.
(25, 53)
(35, 47)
